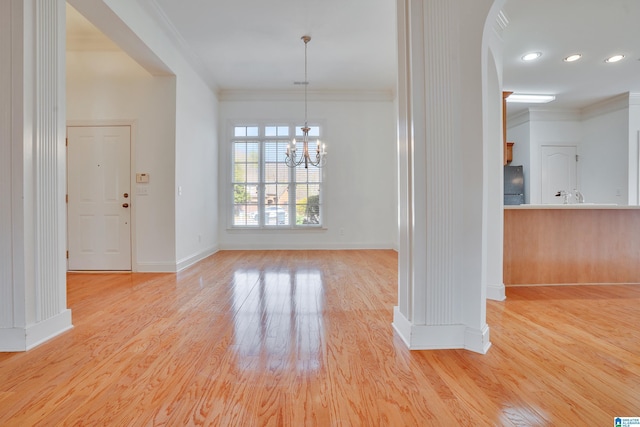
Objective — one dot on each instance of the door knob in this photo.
(125, 205)
(126, 195)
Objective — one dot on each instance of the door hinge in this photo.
(66, 142)
(66, 198)
(67, 254)
(577, 157)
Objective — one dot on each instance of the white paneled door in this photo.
(99, 197)
(558, 171)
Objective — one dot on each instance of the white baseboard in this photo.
(192, 259)
(496, 292)
(155, 267)
(270, 245)
(440, 337)
(22, 339)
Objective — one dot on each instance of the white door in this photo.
(99, 204)
(559, 171)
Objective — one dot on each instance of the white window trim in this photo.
(262, 228)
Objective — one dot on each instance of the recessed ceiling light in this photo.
(573, 57)
(530, 99)
(531, 56)
(614, 58)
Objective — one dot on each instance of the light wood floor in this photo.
(304, 339)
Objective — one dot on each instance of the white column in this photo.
(32, 221)
(442, 295)
(494, 155)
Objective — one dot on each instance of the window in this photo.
(266, 192)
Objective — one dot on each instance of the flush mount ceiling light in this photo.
(572, 58)
(291, 159)
(532, 56)
(614, 58)
(530, 99)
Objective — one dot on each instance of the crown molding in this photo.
(609, 105)
(290, 95)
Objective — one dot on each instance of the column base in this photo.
(496, 292)
(23, 339)
(440, 337)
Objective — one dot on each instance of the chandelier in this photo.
(292, 159)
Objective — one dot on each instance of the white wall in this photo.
(560, 128)
(603, 161)
(606, 137)
(196, 178)
(634, 149)
(360, 179)
(109, 87)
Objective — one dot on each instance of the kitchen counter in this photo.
(573, 206)
(574, 243)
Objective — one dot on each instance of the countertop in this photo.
(572, 206)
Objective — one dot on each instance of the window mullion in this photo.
(262, 185)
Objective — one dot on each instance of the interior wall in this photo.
(360, 178)
(634, 150)
(604, 145)
(196, 177)
(603, 153)
(109, 87)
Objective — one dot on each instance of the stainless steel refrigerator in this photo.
(513, 185)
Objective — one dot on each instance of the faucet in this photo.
(565, 196)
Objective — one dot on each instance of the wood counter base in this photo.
(557, 246)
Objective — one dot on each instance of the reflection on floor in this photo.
(278, 319)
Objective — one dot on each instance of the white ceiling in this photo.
(255, 45)
(557, 28)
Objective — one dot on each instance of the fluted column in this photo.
(32, 256)
(440, 295)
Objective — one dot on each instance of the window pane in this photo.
(271, 172)
(308, 204)
(253, 172)
(253, 152)
(283, 130)
(240, 151)
(274, 151)
(240, 172)
(283, 172)
(252, 131)
(240, 131)
(244, 206)
(270, 131)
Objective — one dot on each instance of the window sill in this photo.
(276, 229)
